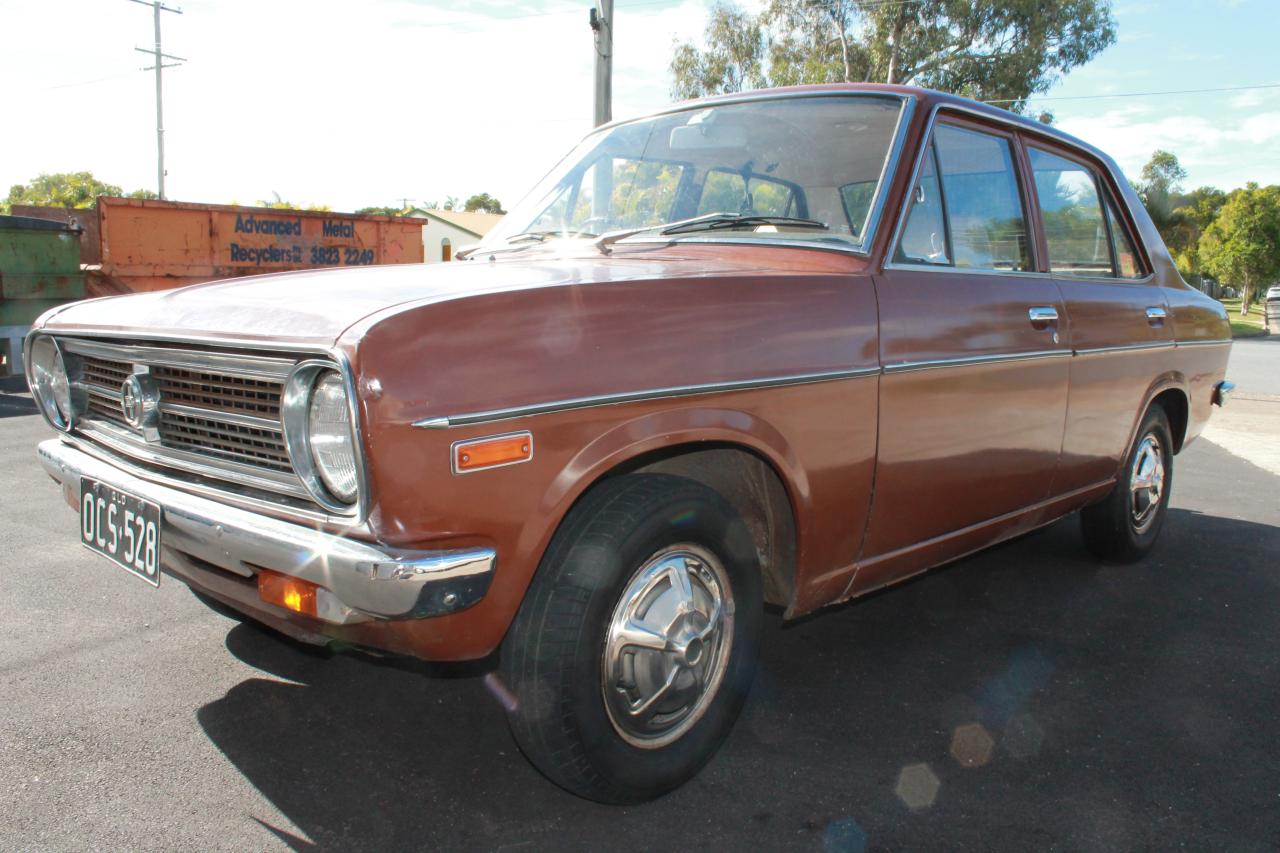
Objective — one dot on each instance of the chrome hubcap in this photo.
(1146, 483)
(666, 646)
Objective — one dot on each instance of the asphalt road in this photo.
(1027, 698)
(1255, 365)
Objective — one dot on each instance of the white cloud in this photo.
(323, 101)
(1226, 152)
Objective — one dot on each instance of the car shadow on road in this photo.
(16, 405)
(1027, 692)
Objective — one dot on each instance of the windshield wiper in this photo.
(706, 222)
(720, 221)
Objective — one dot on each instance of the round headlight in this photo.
(49, 382)
(330, 436)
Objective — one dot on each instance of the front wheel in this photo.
(637, 641)
(1123, 526)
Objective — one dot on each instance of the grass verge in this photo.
(1247, 326)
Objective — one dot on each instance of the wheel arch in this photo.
(1177, 408)
(734, 453)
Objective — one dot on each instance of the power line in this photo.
(1138, 94)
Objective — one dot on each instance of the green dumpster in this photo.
(39, 268)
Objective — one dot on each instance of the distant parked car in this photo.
(1273, 292)
(790, 346)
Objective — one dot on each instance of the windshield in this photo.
(802, 158)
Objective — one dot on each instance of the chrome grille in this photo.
(239, 443)
(102, 379)
(219, 413)
(219, 392)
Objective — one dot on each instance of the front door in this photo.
(976, 354)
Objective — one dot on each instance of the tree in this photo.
(277, 203)
(62, 189)
(385, 211)
(484, 203)
(1000, 50)
(1242, 245)
(1161, 181)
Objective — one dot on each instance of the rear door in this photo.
(1120, 330)
(975, 348)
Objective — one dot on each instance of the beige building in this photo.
(446, 231)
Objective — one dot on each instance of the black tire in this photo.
(1111, 529)
(553, 659)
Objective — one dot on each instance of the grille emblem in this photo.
(140, 405)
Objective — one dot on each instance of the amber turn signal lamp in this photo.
(493, 452)
(287, 592)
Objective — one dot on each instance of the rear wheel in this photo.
(637, 641)
(1123, 527)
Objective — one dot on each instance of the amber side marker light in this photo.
(492, 452)
(288, 592)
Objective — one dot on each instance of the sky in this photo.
(353, 103)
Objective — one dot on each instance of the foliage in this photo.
(1243, 325)
(1161, 180)
(277, 203)
(483, 203)
(385, 211)
(1002, 50)
(1181, 218)
(62, 189)
(1242, 245)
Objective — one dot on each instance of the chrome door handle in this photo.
(1042, 316)
(1155, 316)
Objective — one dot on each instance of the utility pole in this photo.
(157, 7)
(602, 26)
(602, 184)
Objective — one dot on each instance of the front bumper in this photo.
(364, 582)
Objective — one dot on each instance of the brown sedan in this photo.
(783, 347)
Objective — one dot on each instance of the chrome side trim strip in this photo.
(637, 396)
(1217, 343)
(1125, 348)
(998, 358)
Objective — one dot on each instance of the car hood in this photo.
(315, 307)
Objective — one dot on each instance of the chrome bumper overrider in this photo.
(368, 581)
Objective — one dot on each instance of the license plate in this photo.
(123, 528)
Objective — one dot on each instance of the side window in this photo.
(984, 208)
(1075, 226)
(924, 239)
(1127, 265)
(967, 207)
